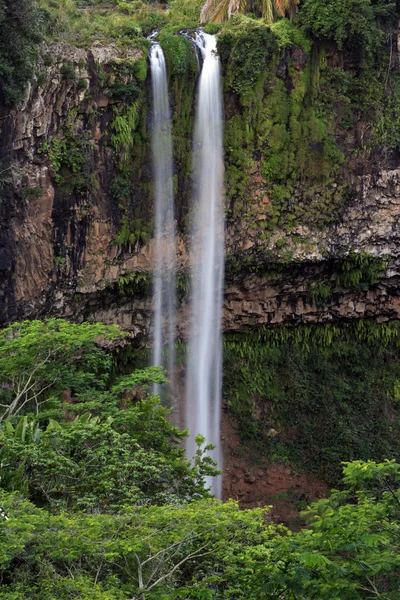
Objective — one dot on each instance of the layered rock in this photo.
(271, 278)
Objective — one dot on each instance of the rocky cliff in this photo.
(74, 245)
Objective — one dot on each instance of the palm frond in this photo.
(267, 10)
(234, 8)
(281, 6)
(286, 6)
(214, 11)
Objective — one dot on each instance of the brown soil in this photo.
(288, 491)
(261, 484)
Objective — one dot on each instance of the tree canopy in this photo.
(206, 549)
(98, 501)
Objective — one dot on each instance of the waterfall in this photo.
(204, 374)
(164, 273)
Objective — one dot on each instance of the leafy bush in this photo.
(68, 72)
(206, 549)
(33, 193)
(69, 153)
(100, 464)
(178, 51)
(120, 188)
(326, 390)
(351, 23)
(22, 26)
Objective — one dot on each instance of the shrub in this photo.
(22, 25)
(33, 193)
(351, 23)
(179, 53)
(68, 72)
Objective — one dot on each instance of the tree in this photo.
(351, 548)
(209, 550)
(181, 552)
(42, 359)
(216, 11)
(79, 450)
(101, 464)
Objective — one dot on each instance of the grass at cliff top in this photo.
(124, 23)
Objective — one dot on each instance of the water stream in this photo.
(204, 368)
(165, 228)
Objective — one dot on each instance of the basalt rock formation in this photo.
(62, 253)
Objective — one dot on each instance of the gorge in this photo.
(200, 299)
(311, 200)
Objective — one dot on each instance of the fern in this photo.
(124, 125)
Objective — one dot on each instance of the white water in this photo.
(164, 275)
(204, 375)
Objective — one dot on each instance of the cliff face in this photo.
(62, 213)
(312, 236)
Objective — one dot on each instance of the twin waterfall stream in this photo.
(204, 348)
(164, 274)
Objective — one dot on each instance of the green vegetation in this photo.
(68, 72)
(357, 272)
(99, 502)
(350, 23)
(134, 284)
(360, 271)
(207, 549)
(297, 153)
(22, 26)
(68, 156)
(123, 127)
(39, 360)
(310, 89)
(129, 140)
(298, 110)
(33, 193)
(320, 292)
(68, 22)
(98, 499)
(61, 456)
(178, 53)
(327, 390)
(133, 231)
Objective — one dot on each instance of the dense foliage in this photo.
(62, 456)
(316, 395)
(350, 23)
(206, 549)
(310, 92)
(99, 502)
(22, 26)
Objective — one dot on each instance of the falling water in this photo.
(204, 376)
(164, 275)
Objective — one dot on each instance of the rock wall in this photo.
(58, 255)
